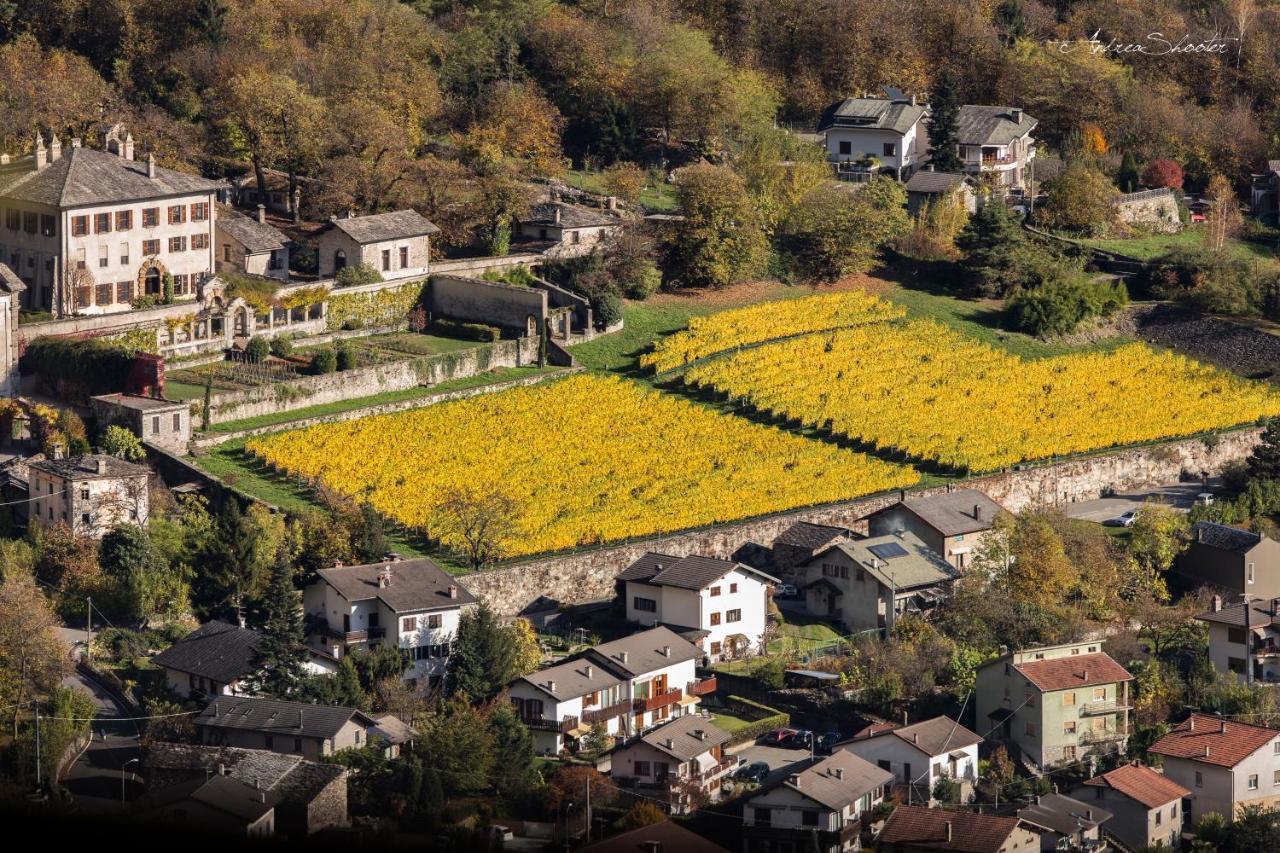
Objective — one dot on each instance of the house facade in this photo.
(410, 604)
(91, 231)
(295, 728)
(92, 494)
(396, 244)
(216, 659)
(996, 145)
(571, 229)
(819, 808)
(11, 290)
(719, 605)
(867, 136)
(931, 187)
(1231, 561)
(801, 541)
(1064, 823)
(1145, 805)
(251, 245)
(1056, 704)
(952, 524)
(920, 754)
(1245, 638)
(682, 762)
(154, 420)
(1226, 764)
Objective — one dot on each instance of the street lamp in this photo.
(123, 776)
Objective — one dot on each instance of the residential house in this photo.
(11, 290)
(802, 540)
(412, 604)
(719, 605)
(89, 231)
(278, 197)
(1245, 638)
(628, 686)
(869, 583)
(296, 728)
(1064, 823)
(1264, 196)
(818, 808)
(868, 136)
(92, 494)
(154, 420)
(662, 837)
(681, 761)
(221, 805)
(396, 244)
(930, 187)
(1144, 803)
(952, 523)
(996, 145)
(915, 829)
(215, 659)
(310, 796)
(571, 229)
(1056, 703)
(1226, 764)
(251, 245)
(920, 754)
(1232, 561)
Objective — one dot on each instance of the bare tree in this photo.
(1241, 13)
(482, 522)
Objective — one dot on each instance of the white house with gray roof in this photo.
(396, 244)
(412, 604)
(251, 246)
(919, 754)
(719, 605)
(995, 144)
(674, 761)
(869, 583)
(88, 231)
(628, 686)
(951, 523)
(11, 290)
(875, 135)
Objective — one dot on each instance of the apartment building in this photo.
(1225, 764)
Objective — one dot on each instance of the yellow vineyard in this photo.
(922, 388)
(586, 460)
(767, 321)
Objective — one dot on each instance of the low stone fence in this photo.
(366, 381)
(588, 575)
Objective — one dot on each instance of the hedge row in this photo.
(772, 719)
(79, 367)
(466, 331)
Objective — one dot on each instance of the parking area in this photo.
(1179, 496)
(778, 758)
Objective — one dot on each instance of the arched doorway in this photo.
(240, 320)
(152, 283)
(339, 260)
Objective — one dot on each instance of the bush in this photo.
(607, 308)
(346, 357)
(118, 441)
(465, 331)
(324, 361)
(1208, 281)
(282, 346)
(772, 719)
(258, 348)
(1079, 201)
(305, 259)
(1058, 307)
(358, 274)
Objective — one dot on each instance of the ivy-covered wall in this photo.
(370, 309)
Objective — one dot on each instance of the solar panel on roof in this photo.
(888, 550)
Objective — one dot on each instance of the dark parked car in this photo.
(756, 771)
(778, 737)
(827, 742)
(802, 739)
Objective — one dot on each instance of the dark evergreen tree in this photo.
(371, 542)
(992, 244)
(227, 565)
(282, 652)
(483, 657)
(126, 556)
(209, 20)
(512, 741)
(1127, 177)
(1264, 461)
(378, 664)
(944, 144)
(1011, 20)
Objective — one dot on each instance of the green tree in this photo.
(483, 658)
(1078, 201)
(371, 545)
(282, 652)
(1264, 460)
(356, 274)
(513, 744)
(719, 241)
(944, 143)
(143, 583)
(209, 21)
(992, 244)
(1127, 178)
(458, 742)
(836, 230)
(229, 567)
(1156, 537)
(258, 348)
(120, 442)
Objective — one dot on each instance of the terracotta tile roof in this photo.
(1212, 740)
(1073, 671)
(925, 828)
(1141, 783)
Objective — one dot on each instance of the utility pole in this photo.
(588, 781)
(88, 627)
(37, 704)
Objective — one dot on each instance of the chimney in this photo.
(587, 672)
(55, 148)
(551, 685)
(1222, 727)
(1016, 115)
(1084, 675)
(700, 734)
(262, 213)
(557, 214)
(948, 829)
(151, 165)
(384, 577)
(1216, 604)
(1199, 533)
(652, 846)
(76, 143)
(1191, 723)
(666, 651)
(453, 590)
(41, 156)
(839, 771)
(904, 717)
(128, 146)
(915, 737)
(101, 465)
(1088, 814)
(794, 780)
(977, 512)
(622, 657)
(913, 100)
(611, 202)
(222, 768)
(1275, 607)
(669, 743)
(1207, 750)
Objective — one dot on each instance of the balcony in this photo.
(671, 697)
(542, 724)
(323, 628)
(604, 715)
(705, 687)
(1103, 736)
(723, 767)
(1094, 709)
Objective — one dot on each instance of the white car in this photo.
(1205, 499)
(1125, 519)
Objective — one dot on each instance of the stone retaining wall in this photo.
(589, 575)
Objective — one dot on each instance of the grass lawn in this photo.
(728, 722)
(806, 626)
(501, 374)
(183, 390)
(1152, 245)
(645, 323)
(654, 198)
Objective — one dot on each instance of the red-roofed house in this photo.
(1145, 805)
(915, 829)
(1056, 703)
(1225, 763)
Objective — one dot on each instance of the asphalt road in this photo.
(1179, 496)
(778, 758)
(96, 780)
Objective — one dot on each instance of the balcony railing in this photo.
(325, 629)
(705, 687)
(671, 697)
(542, 724)
(604, 715)
(1103, 736)
(723, 767)
(1093, 709)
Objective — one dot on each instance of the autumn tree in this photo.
(1222, 220)
(1162, 172)
(48, 88)
(719, 241)
(836, 230)
(482, 522)
(33, 658)
(518, 125)
(624, 180)
(1155, 539)
(778, 171)
(1078, 201)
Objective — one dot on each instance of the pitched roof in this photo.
(872, 113)
(667, 835)
(9, 281)
(415, 585)
(216, 650)
(644, 651)
(934, 737)
(377, 227)
(1142, 784)
(294, 778)
(1259, 615)
(1223, 536)
(1065, 673)
(969, 832)
(927, 181)
(952, 513)
(901, 561)
(685, 738)
(804, 534)
(979, 124)
(571, 679)
(1208, 739)
(571, 216)
(692, 572)
(274, 716)
(256, 237)
(1062, 814)
(237, 799)
(836, 781)
(647, 566)
(86, 467)
(83, 176)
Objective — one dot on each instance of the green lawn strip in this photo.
(183, 390)
(657, 199)
(1153, 245)
(492, 377)
(645, 323)
(399, 343)
(728, 722)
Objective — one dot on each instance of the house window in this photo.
(80, 255)
(1068, 699)
(404, 257)
(764, 817)
(270, 742)
(124, 254)
(48, 225)
(1099, 694)
(177, 214)
(1236, 636)
(103, 296)
(386, 260)
(199, 211)
(715, 618)
(150, 247)
(733, 587)
(1069, 754)
(84, 518)
(715, 648)
(733, 616)
(124, 220)
(150, 217)
(809, 817)
(1275, 777)
(101, 223)
(846, 147)
(199, 241)
(642, 768)
(1236, 665)
(715, 590)
(1069, 727)
(1159, 817)
(1253, 782)
(647, 605)
(155, 425)
(13, 219)
(433, 621)
(84, 494)
(1199, 779)
(104, 256)
(124, 291)
(177, 244)
(890, 149)
(297, 743)
(79, 226)
(31, 222)
(177, 421)
(1251, 573)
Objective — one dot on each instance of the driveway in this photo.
(778, 758)
(99, 777)
(1179, 496)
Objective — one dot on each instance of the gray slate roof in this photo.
(1259, 615)
(86, 467)
(83, 176)
(938, 736)
(952, 513)
(396, 225)
(274, 716)
(571, 216)
(1062, 814)
(685, 738)
(142, 403)
(256, 237)
(819, 781)
(294, 778)
(1223, 537)
(644, 651)
(691, 572)
(934, 183)
(979, 124)
(415, 585)
(9, 281)
(919, 567)
(873, 113)
(647, 566)
(572, 679)
(216, 650)
(234, 798)
(804, 534)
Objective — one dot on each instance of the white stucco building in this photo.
(869, 136)
(92, 494)
(1226, 764)
(919, 754)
